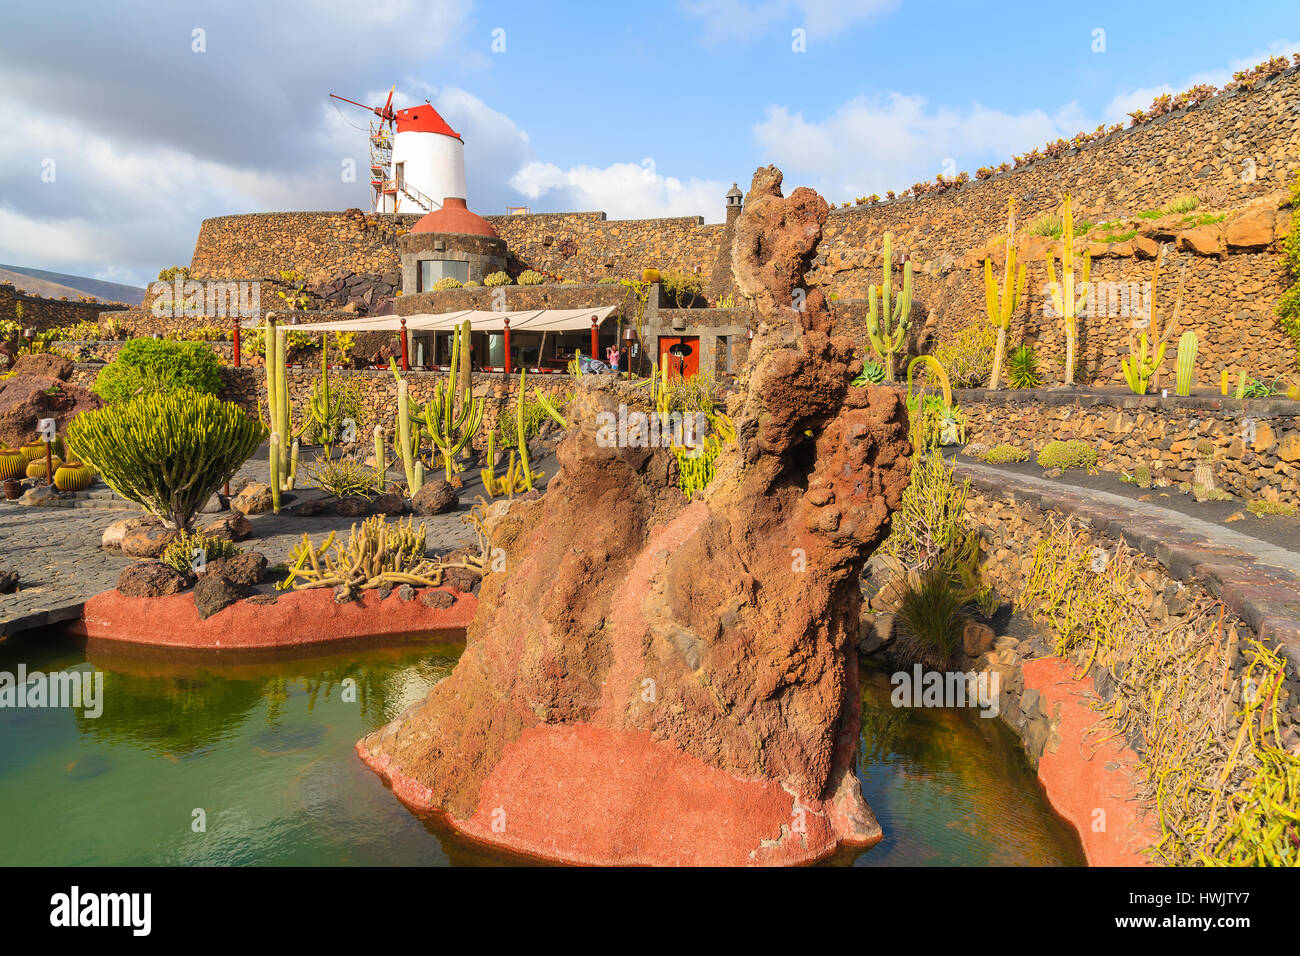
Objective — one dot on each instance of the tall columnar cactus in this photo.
(525, 469)
(1067, 304)
(381, 459)
(279, 407)
(1141, 364)
(451, 428)
(1001, 305)
(1159, 334)
(1186, 363)
(166, 451)
(324, 407)
(888, 328)
(407, 446)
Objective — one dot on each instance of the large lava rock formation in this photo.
(651, 681)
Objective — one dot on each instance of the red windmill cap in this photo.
(423, 119)
(454, 216)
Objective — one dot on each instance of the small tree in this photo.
(166, 452)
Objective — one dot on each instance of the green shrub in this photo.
(494, 279)
(873, 373)
(1052, 226)
(930, 519)
(968, 357)
(607, 280)
(179, 555)
(1004, 454)
(174, 272)
(531, 277)
(167, 452)
(472, 284)
(1183, 204)
(345, 477)
(681, 287)
(1071, 453)
(447, 282)
(1022, 368)
(159, 367)
(1261, 508)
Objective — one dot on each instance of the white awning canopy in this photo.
(527, 320)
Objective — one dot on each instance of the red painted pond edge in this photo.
(295, 619)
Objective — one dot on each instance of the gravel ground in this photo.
(60, 564)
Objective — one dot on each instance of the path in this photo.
(1257, 580)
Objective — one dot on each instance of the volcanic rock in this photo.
(247, 569)
(151, 579)
(214, 592)
(253, 499)
(389, 503)
(231, 526)
(434, 498)
(646, 681)
(148, 540)
(45, 364)
(353, 506)
(26, 399)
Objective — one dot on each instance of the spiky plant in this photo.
(1022, 368)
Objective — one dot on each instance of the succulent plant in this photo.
(13, 464)
(73, 476)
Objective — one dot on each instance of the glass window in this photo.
(431, 270)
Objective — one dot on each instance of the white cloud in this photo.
(870, 145)
(623, 190)
(745, 20)
(1117, 110)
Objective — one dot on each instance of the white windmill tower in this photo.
(416, 159)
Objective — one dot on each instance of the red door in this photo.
(680, 365)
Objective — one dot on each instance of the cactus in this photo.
(381, 459)
(279, 408)
(1068, 306)
(36, 467)
(889, 330)
(166, 451)
(324, 408)
(407, 445)
(73, 476)
(13, 464)
(1141, 364)
(1223, 382)
(273, 458)
(1242, 381)
(1186, 363)
(1161, 335)
(451, 429)
(1001, 305)
(525, 470)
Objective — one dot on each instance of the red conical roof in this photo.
(423, 119)
(454, 216)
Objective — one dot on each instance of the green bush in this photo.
(681, 287)
(531, 277)
(159, 367)
(607, 280)
(167, 452)
(1022, 368)
(447, 282)
(493, 279)
(968, 357)
(179, 555)
(931, 620)
(1003, 454)
(1067, 454)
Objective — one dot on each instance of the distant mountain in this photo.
(54, 284)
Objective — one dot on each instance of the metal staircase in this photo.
(382, 181)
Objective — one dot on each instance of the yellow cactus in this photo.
(1067, 304)
(1002, 305)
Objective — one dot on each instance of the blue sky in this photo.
(638, 110)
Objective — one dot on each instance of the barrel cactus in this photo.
(36, 449)
(13, 464)
(36, 467)
(168, 452)
(73, 476)
(650, 275)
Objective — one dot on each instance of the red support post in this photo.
(507, 345)
(595, 338)
(236, 343)
(406, 364)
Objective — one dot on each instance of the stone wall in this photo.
(1162, 434)
(41, 313)
(1236, 152)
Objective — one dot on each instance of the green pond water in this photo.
(265, 749)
